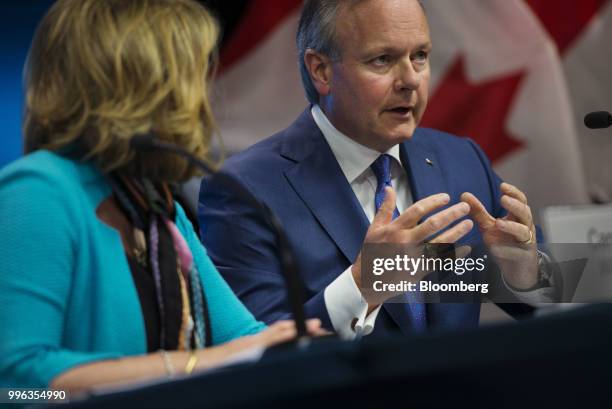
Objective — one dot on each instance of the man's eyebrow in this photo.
(383, 50)
(426, 45)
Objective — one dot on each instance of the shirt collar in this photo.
(353, 158)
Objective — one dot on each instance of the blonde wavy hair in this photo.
(101, 71)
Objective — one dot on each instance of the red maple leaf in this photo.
(477, 110)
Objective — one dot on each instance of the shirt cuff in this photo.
(347, 309)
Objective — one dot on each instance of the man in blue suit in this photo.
(354, 168)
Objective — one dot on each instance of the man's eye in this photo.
(421, 56)
(382, 60)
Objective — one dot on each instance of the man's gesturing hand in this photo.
(511, 240)
(406, 229)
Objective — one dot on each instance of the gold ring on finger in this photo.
(530, 239)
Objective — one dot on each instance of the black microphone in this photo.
(598, 120)
(295, 286)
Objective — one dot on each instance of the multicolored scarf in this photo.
(161, 249)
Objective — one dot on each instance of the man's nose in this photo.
(408, 78)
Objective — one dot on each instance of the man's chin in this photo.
(402, 133)
(390, 141)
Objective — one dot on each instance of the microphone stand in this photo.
(294, 284)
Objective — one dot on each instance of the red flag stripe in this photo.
(565, 19)
(261, 17)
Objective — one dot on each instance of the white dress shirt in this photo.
(343, 299)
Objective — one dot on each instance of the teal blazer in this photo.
(67, 296)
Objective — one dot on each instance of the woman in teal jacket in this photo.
(102, 278)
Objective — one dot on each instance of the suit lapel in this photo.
(423, 168)
(320, 183)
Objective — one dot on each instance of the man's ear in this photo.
(320, 69)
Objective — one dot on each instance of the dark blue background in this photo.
(18, 22)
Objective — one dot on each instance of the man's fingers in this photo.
(513, 191)
(463, 251)
(439, 221)
(478, 211)
(411, 216)
(519, 210)
(520, 232)
(455, 233)
(387, 208)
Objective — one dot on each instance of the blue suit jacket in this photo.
(296, 174)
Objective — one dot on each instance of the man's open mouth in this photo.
(401, 110)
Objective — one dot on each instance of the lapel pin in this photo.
(429, 161)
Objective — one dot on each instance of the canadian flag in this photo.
(516, 76)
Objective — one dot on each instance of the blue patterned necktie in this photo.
(382, 170)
